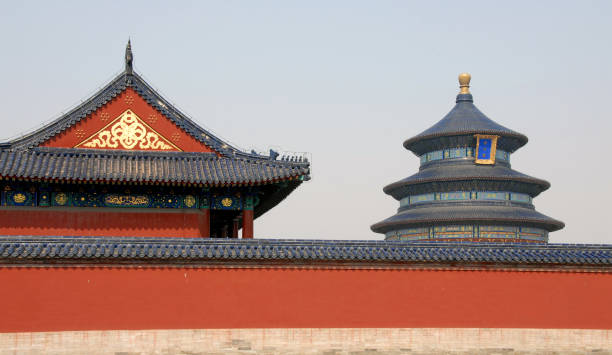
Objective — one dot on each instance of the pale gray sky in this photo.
(346, 81)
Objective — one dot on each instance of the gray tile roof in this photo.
(101, 165)
(83, 250)
(106, 94)
(468, 171)
(465, 119)
(436, 176)
(22, 158)
(462, 213)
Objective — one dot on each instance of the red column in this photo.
(205, 223)
(247, 224)
(235, 228)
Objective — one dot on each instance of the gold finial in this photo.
(464, 83)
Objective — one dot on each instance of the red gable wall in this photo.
(127, 100)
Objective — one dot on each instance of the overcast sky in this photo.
(346, 81)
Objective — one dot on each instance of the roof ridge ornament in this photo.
(129, 58)
(464, 83)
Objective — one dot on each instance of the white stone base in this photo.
(312, 341)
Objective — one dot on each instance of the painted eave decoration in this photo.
(128, 133)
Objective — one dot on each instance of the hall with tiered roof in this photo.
(465, 189)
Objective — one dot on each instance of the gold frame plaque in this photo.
(493, 150)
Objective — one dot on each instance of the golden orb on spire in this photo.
(464, 83)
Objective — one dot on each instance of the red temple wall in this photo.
(122, 223)
(128, 99)
(100, 298)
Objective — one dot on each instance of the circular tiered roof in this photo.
(455, 196)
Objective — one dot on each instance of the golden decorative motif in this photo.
(129, 99)
(104, 116)
(19, 198)
(464, 83)
(189, 201)
(152, 118)
(227, 202)
(126, 200)
(80, 133)
(176, 137)
(61, 199)
(128, 131)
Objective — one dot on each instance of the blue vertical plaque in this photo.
(486, 145)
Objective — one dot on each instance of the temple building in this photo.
(126, 162)
(465, 189)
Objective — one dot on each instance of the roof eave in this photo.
(411, 144)
(550, 224)
(390, 189)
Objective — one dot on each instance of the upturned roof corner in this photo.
(236, 166)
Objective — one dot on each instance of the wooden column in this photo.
(247, 218)
(205, 223)
(247, 224)
(235, 227)
(205, 217)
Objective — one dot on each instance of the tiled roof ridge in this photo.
(158, 154)
(24, 249)
(153, 98)
(462, 132)
(297, 242)
(461, 178)
(511, 175)
(104, 95)
(109, 91)
(125, 153)
(465, 119)
(94, 102)
(196, 168)
(484, 212)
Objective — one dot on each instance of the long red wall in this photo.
(97, 298)
(97, 223)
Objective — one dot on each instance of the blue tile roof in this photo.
(58, 250)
